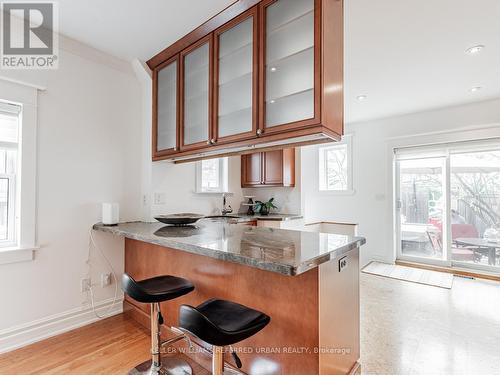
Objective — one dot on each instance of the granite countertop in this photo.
(287, 252)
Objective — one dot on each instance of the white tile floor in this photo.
(414, 329)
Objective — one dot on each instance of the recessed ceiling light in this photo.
(273, 69)
(475, 89)
(474, 50)
(361, 97)
(272, 101)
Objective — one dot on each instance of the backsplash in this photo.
(175, 183)
(286, 199)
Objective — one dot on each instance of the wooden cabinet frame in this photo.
(245, 169)
(159, 153)
(285, 166)
(262, 73)
(184, 147)
(253, 12)
(327, 123)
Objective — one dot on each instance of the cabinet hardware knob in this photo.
(259, 131)
(212, 141)
(208, 142)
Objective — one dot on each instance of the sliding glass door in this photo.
(421, 207)
(475, 207)
(448, 204)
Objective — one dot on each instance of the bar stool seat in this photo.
(156, 289)
(219, 322)
(222, 323)
(153, 291)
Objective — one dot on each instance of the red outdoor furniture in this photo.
(463, 230)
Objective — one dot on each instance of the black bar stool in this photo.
(222, 323)
(154, 291)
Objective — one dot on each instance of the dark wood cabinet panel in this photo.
(288, 167)
(251, 169)
(271, 168)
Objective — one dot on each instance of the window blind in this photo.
(444, 149)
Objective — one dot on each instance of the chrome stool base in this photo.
(169, 366)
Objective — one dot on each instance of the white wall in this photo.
(371, 204)
(177, 183)
(88, 153)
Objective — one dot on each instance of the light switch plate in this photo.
(160, 198)
(105, 279)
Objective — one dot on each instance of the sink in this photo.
(222, 217)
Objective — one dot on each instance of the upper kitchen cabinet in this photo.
(165, 112)
(289, 49)
(270, 168)
(196, 98)
(235, 79)
(262, 74)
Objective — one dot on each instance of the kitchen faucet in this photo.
(225, 210)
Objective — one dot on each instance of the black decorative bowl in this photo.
(179, 219)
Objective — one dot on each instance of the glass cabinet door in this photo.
(234, 97)
(166, 108)
(195, 95)
(289, 62)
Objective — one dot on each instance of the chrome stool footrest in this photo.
(181, 335)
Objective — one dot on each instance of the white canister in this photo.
(110, 213)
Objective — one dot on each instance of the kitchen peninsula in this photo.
(308, 283)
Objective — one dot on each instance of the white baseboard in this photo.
(25, 334)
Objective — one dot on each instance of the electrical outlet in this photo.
(105, 279)
(342, 263)
(85, 284)
(159, 198)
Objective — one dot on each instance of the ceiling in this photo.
(405, 56)
(134, 29)
(409, 56)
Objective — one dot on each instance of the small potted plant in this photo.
(264, 207)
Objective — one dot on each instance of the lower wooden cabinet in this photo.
(271, 168)
(252, 223)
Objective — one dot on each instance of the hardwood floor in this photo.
(111, 346)
(406, 329)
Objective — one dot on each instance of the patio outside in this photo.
(474, 207)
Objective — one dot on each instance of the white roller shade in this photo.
(9, 109)
(444, 149)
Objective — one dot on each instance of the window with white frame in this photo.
(9, 145)
(335, 166)
(212, 176)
